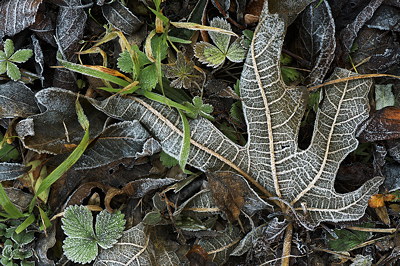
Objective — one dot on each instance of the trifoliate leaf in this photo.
(148, 77)
(21, 56)
(167, 160)
(13, 71)
(81, 242)
(80, 250)
(236, 52)
(124, 62)
(219, 39)
(109, 228)
(209, 54)
(78, 222)
(215, 55)
(8, 47)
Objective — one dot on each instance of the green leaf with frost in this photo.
(21, 56)
(125, 62)
(215, 55)
(8, 47)
(348, 239)
(200, 108)
(168, 161)
(13, 71)
(290, 75)
(384, 96)
(81, 243)
(148, 78)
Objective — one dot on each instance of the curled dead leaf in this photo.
(378, 200)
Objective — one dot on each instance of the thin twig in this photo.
(374, 230)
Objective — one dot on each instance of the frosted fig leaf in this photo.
(271, 160)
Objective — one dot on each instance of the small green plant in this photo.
(9, 58)
(17, 248)
(215, 55)
(81, 244)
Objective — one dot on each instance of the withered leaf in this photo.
(17, 100)
(17, 15)
(378, 200)
(231, 193)
(271, 160)
(52, 130)
(11, 171)
(121, 17)
(349, 34)
(269, 233)
(384, 124)
(317, 39)
(71, 23)
(121, 140)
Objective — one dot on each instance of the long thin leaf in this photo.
(8, 206)
(73, 157)
(28, 221)
(92, 72)
(162, 99)
(185, 148)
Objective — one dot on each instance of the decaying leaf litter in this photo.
(251, 171)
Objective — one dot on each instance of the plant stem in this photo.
(287, 245)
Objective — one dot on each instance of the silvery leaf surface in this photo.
(271, 160)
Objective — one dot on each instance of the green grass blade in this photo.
(162, 99)
(92, 72)
(28, 221)
(185, 148)
(73, 157)
(8, 206)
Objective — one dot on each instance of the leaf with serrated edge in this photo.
(21, 56)
(80, 250)
(209, 54)
(221, 40)
(109, 228)
(271, 160)
(77, 222)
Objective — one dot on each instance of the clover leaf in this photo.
(82, 239)
(9, 58)
(200, 108)
(215, 55)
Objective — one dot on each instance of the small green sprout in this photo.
(9, 57)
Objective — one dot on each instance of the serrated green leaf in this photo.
(348, 239)
(21, 56)
(289, 74)
(209, 54)
(148, 78)
(199, 108)
(8, 47)
(23, 238)
(109, 228)
(3, 67)
(152, 218)
(125, 62)
(167, 160)
(236, 52)
(78, 222)
(80, 250)
(13, 71)
(220, 40)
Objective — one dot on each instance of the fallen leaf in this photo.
(384, 124)
(49, 131)
(17, 15)
(378, 200)
(271, 160)
(121, 17)
(12, 171)
(316, 40)
(17, 100)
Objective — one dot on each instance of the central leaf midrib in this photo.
(325, 158)
(268, 117)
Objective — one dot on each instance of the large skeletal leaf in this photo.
(271, 160)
